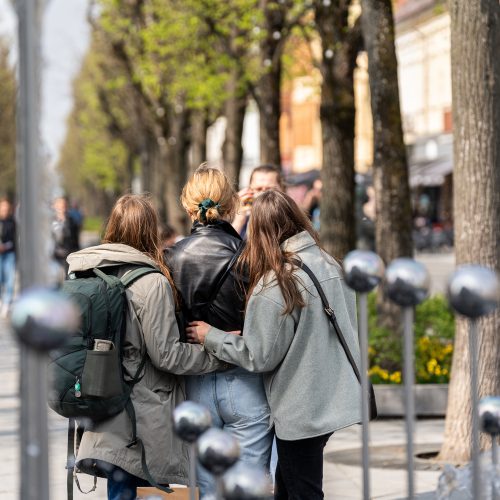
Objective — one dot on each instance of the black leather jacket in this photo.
(197, 263)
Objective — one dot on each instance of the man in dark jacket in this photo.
(262, 179)
(7, 256)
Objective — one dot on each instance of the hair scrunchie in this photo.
(205, 205)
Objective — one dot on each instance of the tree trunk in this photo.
(475, 39)
(175, 170)
(269, 87)
(199, 126)
(390, 170)
(269, 104)
(151, 158)
(234, 111)
(337, 113)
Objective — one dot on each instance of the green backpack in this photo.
(88, 382)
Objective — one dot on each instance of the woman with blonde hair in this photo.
(151, 337)
(203, 269)
(311, 386)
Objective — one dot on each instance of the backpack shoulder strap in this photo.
(128, 278)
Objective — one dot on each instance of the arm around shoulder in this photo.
(161, 335)
(266, 337)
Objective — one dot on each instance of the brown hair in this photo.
(269, 169)
(275, 218)
(134, 222)
(209, 184)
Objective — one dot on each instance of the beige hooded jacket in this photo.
(151, 328)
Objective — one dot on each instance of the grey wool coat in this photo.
(311, 387)
(150, 328)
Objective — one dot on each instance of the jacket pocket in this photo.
(101, 374)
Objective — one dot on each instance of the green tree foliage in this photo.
(167, 63)
(177, 56)
(7, 123)
(95, 158)
(178, 51)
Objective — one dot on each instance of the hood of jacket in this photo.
(108, 254)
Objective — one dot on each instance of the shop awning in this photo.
(430, 173)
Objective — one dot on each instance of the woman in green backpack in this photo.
(132, 239)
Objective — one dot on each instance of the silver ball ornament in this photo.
(246, 482)
(406, 282)
(191, 420)
(473, 291)
(44, 319)
(217, 451)
(363, 270)
(489, 415)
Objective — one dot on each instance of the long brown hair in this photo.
(275, 218)
(134, 222)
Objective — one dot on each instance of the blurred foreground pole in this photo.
(407, 285)
(34, 474)
(363, 271)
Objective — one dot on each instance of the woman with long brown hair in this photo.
(203, 270)
(132, 240)
(310, 385)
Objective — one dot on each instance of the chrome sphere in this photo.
(406, 282)
(217, 451)
(363, 270)
(489, 415)
(191, 420)
(43, 319)
(246, 482)
(473, 291)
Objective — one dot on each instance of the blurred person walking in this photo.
(310, 384)
(7, 256)
(202, 266)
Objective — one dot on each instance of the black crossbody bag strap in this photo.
(333, 320)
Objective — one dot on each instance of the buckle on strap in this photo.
(132, 443)
(329, 312)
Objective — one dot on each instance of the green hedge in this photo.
(434, 331)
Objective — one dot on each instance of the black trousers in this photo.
(299, 473)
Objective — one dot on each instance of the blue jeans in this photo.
(238, 404)
(7, 276)
(123, 485)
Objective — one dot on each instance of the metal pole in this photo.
(409, 376)
(494, 463)
(219, 494)
(476, 482)
(34, 475)
(363, 343)
(192, 471)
